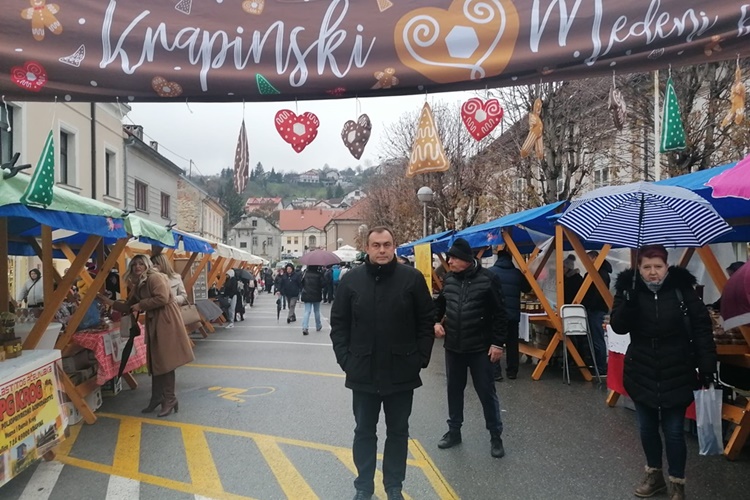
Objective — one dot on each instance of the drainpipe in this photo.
(93, 150)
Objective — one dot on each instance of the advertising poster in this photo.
(31, 421)
(423, 262)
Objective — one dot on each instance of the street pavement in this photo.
(264, 414)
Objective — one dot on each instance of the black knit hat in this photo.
(461, 250)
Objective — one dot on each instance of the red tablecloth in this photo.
(615, 368)
(108, 367)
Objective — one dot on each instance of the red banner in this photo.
(273, 50)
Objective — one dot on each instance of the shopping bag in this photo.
(708, 418)
(190, 314)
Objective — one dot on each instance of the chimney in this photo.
(134, 130)
(154, 145)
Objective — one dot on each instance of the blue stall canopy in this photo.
(192, 243)
(728, 208)
(529, 228)
(439, 239)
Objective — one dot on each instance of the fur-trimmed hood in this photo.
(677, 277)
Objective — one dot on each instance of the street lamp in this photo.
(425, 195)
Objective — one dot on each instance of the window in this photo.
(254, 222)
(243, 244)
(288, 240)
(296, 240)
(165, 200)
(601, 177)
(6, 137)
(255, 241)
(269, 242)
(110, 169)
(65, 177)
(312, 242)
(141, 196)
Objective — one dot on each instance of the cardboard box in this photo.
(77, 362)
(112, 387)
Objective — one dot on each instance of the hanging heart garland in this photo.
(356, 134)
(297, 130)
(481, 118)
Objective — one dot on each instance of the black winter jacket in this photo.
(382, 327)
(662, 357)
(593, 300)
(513, 283)
(472, 303)
(312, 286)
(291, 284)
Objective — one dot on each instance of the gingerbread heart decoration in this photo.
(165, 88)
(427, 153)
(31, 76)
(480, 118)
(297, 130)
(461, 43)
(356, 134)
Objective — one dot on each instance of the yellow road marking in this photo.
(200, 462)
(436, 479)
(67, 445)
(128, 449)
(290, 480)
(149, 479)
(229, 393)
(259, 369)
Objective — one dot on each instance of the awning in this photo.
(192, 243)
(434, 239)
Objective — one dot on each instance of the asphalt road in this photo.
(264, 414)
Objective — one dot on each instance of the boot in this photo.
(170, 400)
(678, 488)
(652, 484)
(496, 446)
(394, 494)
(157, 395)
(449, 440)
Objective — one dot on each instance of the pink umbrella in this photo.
(735, 300)
(733, 182)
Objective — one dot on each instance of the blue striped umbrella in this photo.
(643, 213)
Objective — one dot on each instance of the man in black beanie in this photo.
(472, 318)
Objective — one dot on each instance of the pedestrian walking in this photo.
(596, 309)
(513, 283)
(290, 288)
(32, 291)
(327, 285)
(471, 316)
(277, 287)
(250, 290)
(670, 337)
(312, 294)
(230, 292)
(381, 330)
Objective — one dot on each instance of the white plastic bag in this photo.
(708, 417)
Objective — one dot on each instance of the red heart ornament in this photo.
(31, 76)
(480, 118)
(299, 131)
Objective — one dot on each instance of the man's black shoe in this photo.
(496, 446)
(362, 495)
(394, 494)
(449, 440)
(498, 376)
(512, 376)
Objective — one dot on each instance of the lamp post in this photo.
(425, 195)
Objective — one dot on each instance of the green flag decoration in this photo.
(39, 190)
(672, 131)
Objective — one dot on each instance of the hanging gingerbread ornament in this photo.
(672, 131)
(297, 130)
(356, 134)
(481, 117)
(617, 107)
(427, 153)
(536, 127)
(736, 99)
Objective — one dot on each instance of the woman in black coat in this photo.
(670, 336)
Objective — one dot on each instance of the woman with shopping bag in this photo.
(670, 337)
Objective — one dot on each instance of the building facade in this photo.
(303, 230)
(198, 213)
(346, 228)
(257, 235)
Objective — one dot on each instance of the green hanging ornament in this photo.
(264, 86)
(39, 190)
(672, 131)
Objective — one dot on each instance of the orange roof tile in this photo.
(299, 220)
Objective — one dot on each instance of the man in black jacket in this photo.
(513, 283)
(471, 305)
(290, 288)
(382, 334)
(596, 309)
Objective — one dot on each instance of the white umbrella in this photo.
(347, 253)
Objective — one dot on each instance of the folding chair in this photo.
(575, 323)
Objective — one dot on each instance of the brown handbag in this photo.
(190, 314)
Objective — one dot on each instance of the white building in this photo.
(257, 235)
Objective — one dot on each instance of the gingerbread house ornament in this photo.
(427, 153)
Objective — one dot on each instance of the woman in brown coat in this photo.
(167, 342)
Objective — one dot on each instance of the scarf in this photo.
(654, 286)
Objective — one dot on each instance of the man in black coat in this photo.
(290, 286)
(382, 334)
(596, 309)
(513, 283)
(471, 305)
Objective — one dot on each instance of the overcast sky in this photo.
(207, 133)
